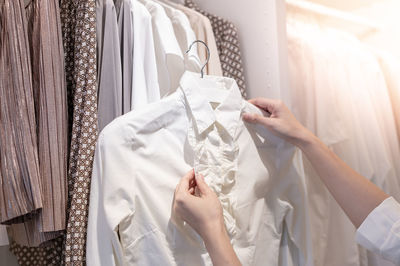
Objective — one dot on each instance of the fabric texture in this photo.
(341, 96)
(152, 148)
(79, 32)
(109, 80)
(50, 98)
(169, 58)
(4, 241)
(125, 18)
(184, 35)
(50, 255)
(380, 231)
(79, 35)
(19, 164)
(227, 39)
(139, 68)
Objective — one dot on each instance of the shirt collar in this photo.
(228, 111)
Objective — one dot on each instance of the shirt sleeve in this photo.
(380, 232)
(106, 210)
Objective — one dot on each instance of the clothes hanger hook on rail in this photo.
(208, 55)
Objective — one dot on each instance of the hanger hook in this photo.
(208, 55)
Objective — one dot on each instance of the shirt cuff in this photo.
(380, 232)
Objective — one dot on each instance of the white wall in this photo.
(262, 32)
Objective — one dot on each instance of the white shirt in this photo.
(141, 157)
(139, 68)
(145, 88)
(170, 60)
(380, 232)
(185, 37)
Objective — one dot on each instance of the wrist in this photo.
(305, 139)
(215, 234)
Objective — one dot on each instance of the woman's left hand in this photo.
(202, 212)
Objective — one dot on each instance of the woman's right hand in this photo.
(281, 121)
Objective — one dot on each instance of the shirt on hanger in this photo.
(141, 156)
(380, 231)
(109, 76)
(202, 28)
(185, 37)
(170, 60)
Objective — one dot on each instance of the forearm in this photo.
(355, 194)
(220, 249)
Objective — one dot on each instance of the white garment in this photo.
(139, 68)
(145, 88)
(3, 236)
(185, 37)
(141, 156)
(170, 60)
(108, 63)
(380, 232)
(334, 84)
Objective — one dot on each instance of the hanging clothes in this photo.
(227, 39)
(78, 26)
(108, 64)
(202, 28)
(20, 197)
(125, 18)
(170, 60)
(79, 34)
(138, 55)
(391, 70)
(158, 144)
(184, 35)
(48, 74)
(337, 79)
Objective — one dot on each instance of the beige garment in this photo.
(201, 26)
(48, 75)
(20, 195)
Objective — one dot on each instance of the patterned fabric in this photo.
(79, 30)
(226, 36)
(49, 255)
(78, 19)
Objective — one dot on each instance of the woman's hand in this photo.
(203, 213)
(281, 122)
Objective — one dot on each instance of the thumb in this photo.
(257, 119)
(202, 185)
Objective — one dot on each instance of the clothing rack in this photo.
(327, 13)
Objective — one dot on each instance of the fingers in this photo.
(265, 103)
(257, 119)
(186, 183)
(201, 184)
